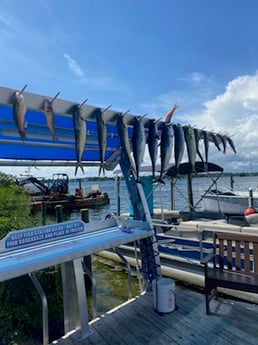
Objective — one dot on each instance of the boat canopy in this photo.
(39, 146)
(200, 167)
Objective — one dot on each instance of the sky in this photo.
(142, 55)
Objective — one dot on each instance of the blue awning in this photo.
(39, 145)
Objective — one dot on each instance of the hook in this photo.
(106, 108)
(24, 87)
(52, 100)
(81, 104)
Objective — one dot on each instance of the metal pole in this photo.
(59, 213)
(44, 212)
(250, 199)
(172, 194)
(43, 298)
(190, 192)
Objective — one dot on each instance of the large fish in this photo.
(222, 140)
(122, 130)
(230, 141)
(179, 145)
(214, 139)
(152, 142)
(102, 138)
(79, 124)
(166, 145)
(49, 113)
(190, 145)
(138, 143)
(19, 110)
(197, 135)
(204, 136)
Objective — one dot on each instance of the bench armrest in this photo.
(207, 258)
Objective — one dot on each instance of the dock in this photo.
(136, 323)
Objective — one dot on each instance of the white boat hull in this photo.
(227, 204)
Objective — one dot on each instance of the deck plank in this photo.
(136, 323)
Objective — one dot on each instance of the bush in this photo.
(20, 305)
(14, 205)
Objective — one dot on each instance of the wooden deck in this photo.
(136, 323)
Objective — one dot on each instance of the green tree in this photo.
(20, 306)
(14, 205)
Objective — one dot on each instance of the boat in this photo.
(229, 202)
(71, 202)
(184, 238)
(56, 192)
(218, 200)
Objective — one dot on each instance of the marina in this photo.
(155, 238)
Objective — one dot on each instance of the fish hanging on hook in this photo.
(79, 124)
(19, 110)
(49, 113)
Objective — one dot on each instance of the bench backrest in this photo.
(236, 251)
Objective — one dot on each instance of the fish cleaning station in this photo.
(37, 130)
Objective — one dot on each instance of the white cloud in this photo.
(73, 66)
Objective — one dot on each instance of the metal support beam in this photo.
(43, 298)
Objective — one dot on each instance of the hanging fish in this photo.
(197, 135)
(179, 145)
(122, 130)
(79, 124)
(102, 138)
(139, 143)
(222, 140)
(152, 141)
(204, 136)
(169, 115)
(166, 145)
(19, 110)
(214, 139)
(49, 113)
(190, 145)
(230, 141)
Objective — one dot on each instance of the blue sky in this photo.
(143, 55)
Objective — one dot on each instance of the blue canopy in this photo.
(39, 145)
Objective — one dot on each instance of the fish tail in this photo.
(79, 165)
(102, 168)
(54, 137)
(22, 134)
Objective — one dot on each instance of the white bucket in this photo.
(164, 295)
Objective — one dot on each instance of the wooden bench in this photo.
(234, 264)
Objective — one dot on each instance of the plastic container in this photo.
(164, 295)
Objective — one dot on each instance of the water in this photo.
(162, 195)
(111, 278)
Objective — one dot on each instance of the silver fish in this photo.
(197, 135)
(122, 130)
(138, 143)
(79, 125)
(214, 139)
(152, 141)
(179, 145)
(230, 141)
(204, 136)
(190, 145)
(102, 138)
(19, 110)
(49, 113)
(222, 140)
(166, 145)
